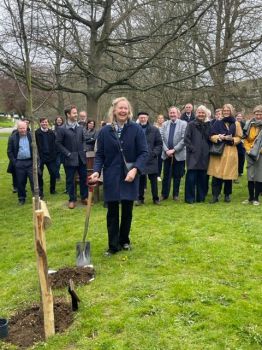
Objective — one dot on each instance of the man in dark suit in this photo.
(154, 144)
(45, 140)
(70, 142)
(19, 152)
(188, 115)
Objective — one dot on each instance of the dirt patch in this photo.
(79, 275)
(26, 327)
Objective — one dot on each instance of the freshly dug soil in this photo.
(26, 327)
(79, 275)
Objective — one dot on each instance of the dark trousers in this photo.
(58, 163)
(254, 190)
(70, 181)
(160, 164)
(142, 186)
(24, 170)
(207, 184)
(217, 186)
(172, 169)
(241, 158)
(118, 235)
(14, 180)
(195, 186)
(51, 166)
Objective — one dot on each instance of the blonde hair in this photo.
(229, 106)
(205, 110)
(111, 114)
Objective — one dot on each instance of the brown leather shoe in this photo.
(71, 205)
(84, 201)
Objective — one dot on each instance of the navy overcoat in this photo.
(108, 157)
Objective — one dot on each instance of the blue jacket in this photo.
(108, 157)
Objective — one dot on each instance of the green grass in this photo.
(6, 123)
(192, 280)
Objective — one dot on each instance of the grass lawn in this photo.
(191, 282)
(6, 123)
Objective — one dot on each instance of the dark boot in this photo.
(227, 199)
(214, 200)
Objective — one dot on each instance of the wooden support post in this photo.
(42, 266)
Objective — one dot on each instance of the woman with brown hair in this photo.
(224, 168)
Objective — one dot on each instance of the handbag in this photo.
(127, 165)
(217, 149)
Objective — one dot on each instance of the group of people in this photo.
(66, 144)
(189, 146)
(128, 152)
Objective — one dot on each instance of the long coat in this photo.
(197, 145)
(39, 135)
(90, 139)
(226, 166)
(13, 146)
(154, 144)
(254, 168)
(71, 143)
(108, 157)
(178, 140)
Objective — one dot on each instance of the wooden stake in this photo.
(42, 266)
(47, 218)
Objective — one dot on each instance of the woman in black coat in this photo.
(197, 157)
(90, 135)
(121, 153)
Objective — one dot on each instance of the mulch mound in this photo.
(79, 275)
(26, 327)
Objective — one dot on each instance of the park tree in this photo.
(227, 43)
(157, 52)
(108, 45)
(20, 51)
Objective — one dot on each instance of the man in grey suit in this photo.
(70, 142)
(174, 152)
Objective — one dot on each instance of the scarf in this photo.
(219, 127)
(249, 123)
(70, 125)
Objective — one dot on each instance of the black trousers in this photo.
(142, 186)
(14, 179)
(172, 169)
(195, 186)
(24, 170)
(217, 186)
(160, 164)
(51, 167)
(241, 158)
(254, 190)
(118, 235)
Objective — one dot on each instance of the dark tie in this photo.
(171, 135)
